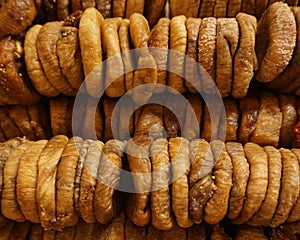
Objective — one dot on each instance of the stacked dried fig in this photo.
(268, 119)
(221, 9)
(53, 58)
(278, 48)
(120, 228)
(32, 122)
(16, 16)
(223, 47)
(183, 53)
(15, 85)
(56, 182)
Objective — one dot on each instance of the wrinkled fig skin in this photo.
(15, 16)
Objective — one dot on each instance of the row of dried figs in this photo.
(214, 43)
(198, 55)
(32, 122)
(56, 182)
(122, 228)
(17, 15)
(218, 8)
(265, 119)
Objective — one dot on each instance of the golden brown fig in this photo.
(125, 43)
(211, 130)
(150, 121)
(240, 178)
(91, 50)
(232, 119)
(264, 216)
(8, 126)
(288, 81)
(114, 81)
(207, 51)
(192, 126)
(275, 53)
(45, 190)
(40, 120)
(201, 158)
(160, 198)
(47, 40)
(111, 121)
(16, 16)
(68, 52)
(178, 46)
(289, 119)
(245, 61)
(289, 191)
(88, 181)
(146, 72)
(191, 73)
(227, 43)
(65, 212)
(9, 204)
(80, 163)
(179, 155)
(269, 120)
(200, 180)
(140, 166)
(27, 178)
(126, 112)
(14, 82)
(248, 112)
(92, 120)
(257, 183)
(34, 66)
(21, 119)
(106, 205)
(174, 117)
(158, 43)
(216, 207)
(58, 115)
(294, 215)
